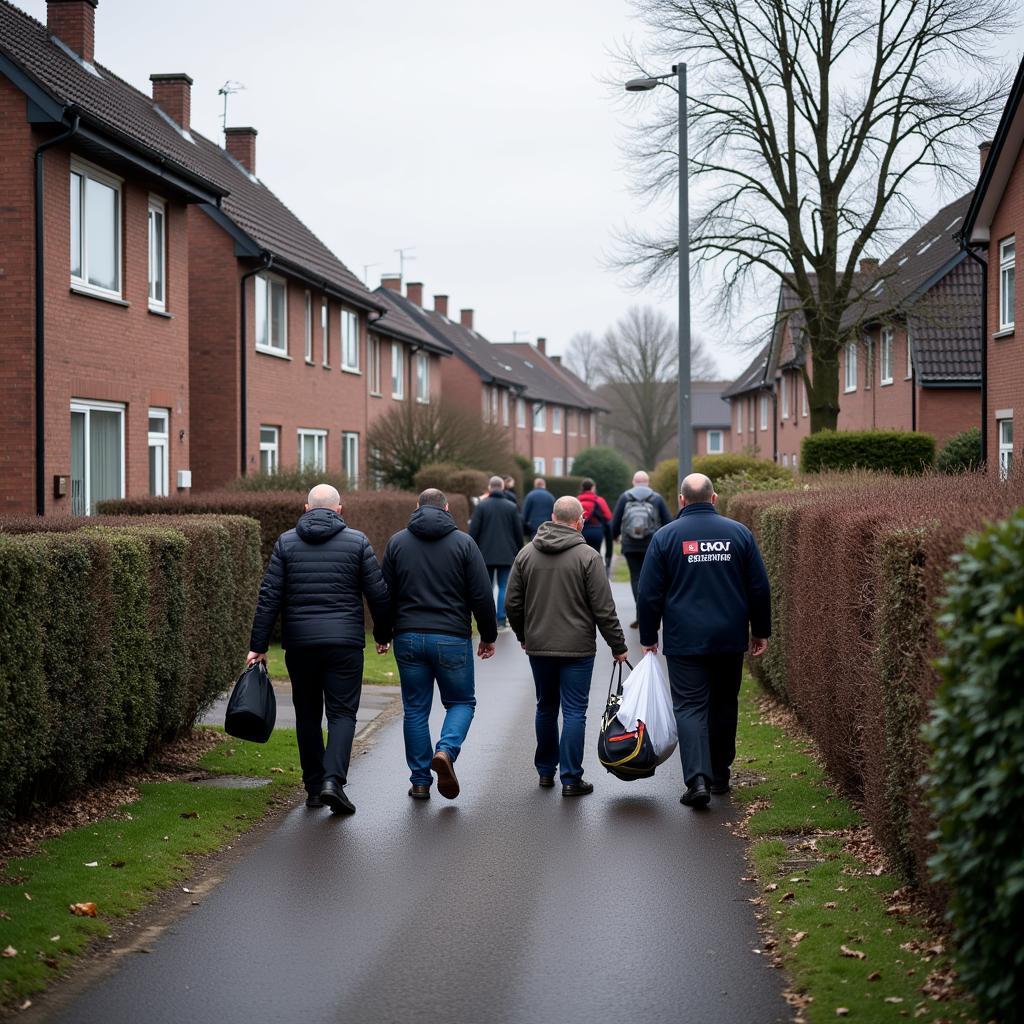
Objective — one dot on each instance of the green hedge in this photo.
(977, 732)
(115, 638)
(459, 481)
(961, 453)
(892, 451)
(607, 468)
(727, 472)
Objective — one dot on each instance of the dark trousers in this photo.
(561, 683)
(330, 676)
(635, 561)
(594, 536)
(705, 697)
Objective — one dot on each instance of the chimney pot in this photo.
(441, 305)
(173, 94)
(868, 265)
(241, 144)
(414, 292)
(393, 282)
(557, 360)
(73, 22)
(466, 318)
(984, 148)
(542, 344)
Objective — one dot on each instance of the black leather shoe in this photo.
(546, 782)
(697, 795)
(333, 796)
(580, 788)
(419, 792)
(313, 800)
(720, 788)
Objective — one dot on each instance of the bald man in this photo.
(317, 578)
(704, 583)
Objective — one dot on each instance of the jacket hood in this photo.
(641, 492)
(553, 538)
(428, 523)
(319, 525)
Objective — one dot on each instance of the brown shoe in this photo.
(419, 792)
(447, 783)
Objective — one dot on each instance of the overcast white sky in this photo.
(476, 131)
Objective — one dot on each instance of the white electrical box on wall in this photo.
(184, 478)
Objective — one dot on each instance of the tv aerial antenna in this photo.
(229, 88)
(404, 258)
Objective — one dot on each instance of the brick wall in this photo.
(943, 412)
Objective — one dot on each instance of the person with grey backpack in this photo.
(639, 514)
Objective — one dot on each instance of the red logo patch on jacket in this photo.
(691, 547)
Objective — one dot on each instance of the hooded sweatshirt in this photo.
(316, 580)
(558, 593)
(436, 578)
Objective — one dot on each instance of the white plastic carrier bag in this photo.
(645, 698)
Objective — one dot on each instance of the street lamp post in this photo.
(685, 447)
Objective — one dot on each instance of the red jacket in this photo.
(591, 502)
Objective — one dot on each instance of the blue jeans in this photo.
(422, 658)
(565, 683)
(500, 572)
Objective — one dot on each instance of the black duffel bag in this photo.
(627, 753)
(252, 707)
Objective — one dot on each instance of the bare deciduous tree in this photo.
(810, 122)
(583, 357)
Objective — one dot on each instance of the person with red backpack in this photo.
(597, 519)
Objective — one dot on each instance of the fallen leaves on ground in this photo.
(842, 1011)
(9, 952)
(858, 954)
(797, 937)
(83, 909)
(875, 976)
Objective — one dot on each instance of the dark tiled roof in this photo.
(945, 328)
(547, 380)
(398, 323)
(103, 98)
(753, 377)
(708, 407)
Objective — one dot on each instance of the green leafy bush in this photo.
(977, 731)
(719, 468)
(892, 451)
(961, 453)
(452, 479)
(608, 469)
(295, 478)
(727, 487)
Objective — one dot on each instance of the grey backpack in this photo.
(639, 518)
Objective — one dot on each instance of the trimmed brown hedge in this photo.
(116, 636)
(857, 564)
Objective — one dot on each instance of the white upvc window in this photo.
(784, 393)
(910, 359)
(494, 404)
(270, 449)
(716, 442)
(95, 230)
(885, 375)
(97, 454)
(803, 397)
(325, 332)
(850, 367)
(1005, 438)
(350, 457)
(785, 460)
(557, 465)
(739, 417)
(397, 370)
(373, 361)
(157, 254)
(308, 327)
(271, 314)
(556, 419)
(762, 410)
(504, 408)
(540, 418)
(486, 392)
(521, 413)
(869, 363)
(796, 460)
(1007, 282)
(574, 422)
(539, 466)
(312, 448)
(159, 452)
(350, 341)
(423, 378)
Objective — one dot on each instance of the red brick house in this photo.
(992, 222)
(94, 273)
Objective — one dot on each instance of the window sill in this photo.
(275, 352)
(1006, 332)
(325, 366)
(160, 312)
(376, 394)
(397, 398)
(885, 383)
(310, 362)
(423, 401)
(354, 371)
(89, 293)
(846, 391)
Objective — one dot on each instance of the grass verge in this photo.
(379, 669)
(123, 862)
(842, 928)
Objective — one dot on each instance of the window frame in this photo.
(784, 394)
(520, 414)
(910, 359)
(87, 407)
(886, 376)
(85, 170)
(1004, 448)
(422, 383)
(558, 466)
(739, 417)
(720, 448)
(849, 367)
(272, 448)
(804, 405)
(350, 437)
(556, 422)
(398, 362)
(542, 409)
(269, 282)
(349, 340)
(506, 415)
(540, 465)
(319, 435)
(157, 207)
(373, 363)
(1007, 270)
(160, 439)
(762, 412)
(308, 326)
(325, 333)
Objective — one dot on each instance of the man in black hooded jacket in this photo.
(436, 579)
(317, 578)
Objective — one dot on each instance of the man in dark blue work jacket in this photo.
(703, 581)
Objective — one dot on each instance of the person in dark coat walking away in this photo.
(558, 592)
(597, 516)
(509, 491)
(537, 507)
(639, 513)
(317, 578)
(436, 578)
(703, 581)
(497, 528)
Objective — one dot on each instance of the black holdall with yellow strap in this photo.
(627, 753)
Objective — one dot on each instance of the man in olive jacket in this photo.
(557, 593)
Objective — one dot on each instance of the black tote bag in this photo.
(627, 753)
(252, 707)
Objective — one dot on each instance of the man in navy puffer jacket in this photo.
(317, 578)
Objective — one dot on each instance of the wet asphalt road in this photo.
(509, 904)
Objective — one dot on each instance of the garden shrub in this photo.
(961, 453)
(722, 469)
(977, 732)
(893, 451)
(453, 479)
(295, 478)
(607, 468)
(727, 487)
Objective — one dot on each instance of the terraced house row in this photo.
(168, 323)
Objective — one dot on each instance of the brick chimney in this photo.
(984, 148)
(441, 305)
(173, 94)
(414, 292)
(241, 144)
(466, 318)
(73, 22)
(393, 282)
(542, 345)
(868, 265)
(557, 360)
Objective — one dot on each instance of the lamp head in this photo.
(641, 84)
